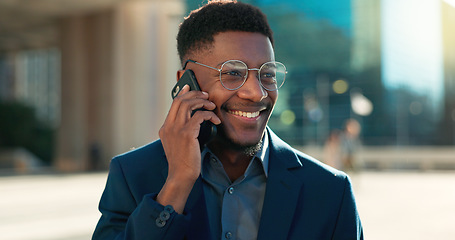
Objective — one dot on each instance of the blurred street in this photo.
(392, 205)
(49, 207)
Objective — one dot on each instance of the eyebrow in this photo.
(221, 63)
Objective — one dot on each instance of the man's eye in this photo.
(234, 73)
(268, 75)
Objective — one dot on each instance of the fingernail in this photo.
(205, 93)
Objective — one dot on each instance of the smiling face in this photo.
(244, 112)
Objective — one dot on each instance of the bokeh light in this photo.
(287, 117)
(415, 108)
(340, 86)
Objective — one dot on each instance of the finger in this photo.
(184, 94)
(194, 94)
(187, 106)
(191, 98)
(204, 104)
(175, 106)
(201, 116)
(185, 89)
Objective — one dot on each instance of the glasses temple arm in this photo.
(189, 60)
(186, 63)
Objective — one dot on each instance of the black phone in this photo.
(208, 129)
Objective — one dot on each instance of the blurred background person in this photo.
(332, 150)
(349, 145)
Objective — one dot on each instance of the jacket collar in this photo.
(281, 150)
(282, 191)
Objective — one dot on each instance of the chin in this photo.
(240, 141)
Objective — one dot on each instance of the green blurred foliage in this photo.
(19, 127)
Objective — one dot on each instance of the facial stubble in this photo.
(229, 143)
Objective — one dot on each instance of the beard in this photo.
(249, 149)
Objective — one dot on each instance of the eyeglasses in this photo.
(233, 74)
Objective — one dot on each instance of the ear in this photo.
(179, 74)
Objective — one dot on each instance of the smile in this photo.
(245, 114)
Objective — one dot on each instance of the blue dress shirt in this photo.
(234, 208)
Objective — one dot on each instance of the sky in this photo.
(412, 54)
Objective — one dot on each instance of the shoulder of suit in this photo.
(147, 154)
(316, 165)
(302, 162)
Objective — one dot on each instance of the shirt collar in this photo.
(263, 154)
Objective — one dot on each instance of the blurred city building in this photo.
(366, 42)
(100, 72)
(448, 26)
(378, 61)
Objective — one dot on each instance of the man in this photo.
(246, 183)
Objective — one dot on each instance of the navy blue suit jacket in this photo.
(304, 199)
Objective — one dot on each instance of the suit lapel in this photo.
(282, 191)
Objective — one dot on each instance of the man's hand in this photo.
(179, 138)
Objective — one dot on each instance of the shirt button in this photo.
(228, 235)
(213, 160)
(231, 190)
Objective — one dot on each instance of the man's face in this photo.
(244, 112)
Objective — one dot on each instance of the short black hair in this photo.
(197, 30)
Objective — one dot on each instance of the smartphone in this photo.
(208, 129)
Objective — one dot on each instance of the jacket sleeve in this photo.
(348, 225)
(124, 217)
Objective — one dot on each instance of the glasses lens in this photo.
(272, 75)
(232, 74)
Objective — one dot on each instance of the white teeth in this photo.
(245, 114)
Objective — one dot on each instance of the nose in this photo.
(252, 88)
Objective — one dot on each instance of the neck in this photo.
(234, 162)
